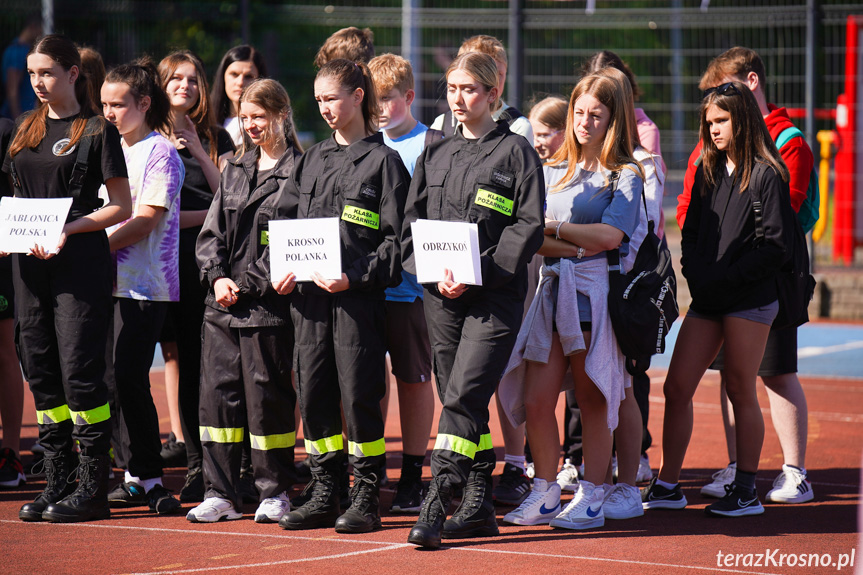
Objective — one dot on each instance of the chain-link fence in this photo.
(666, 43)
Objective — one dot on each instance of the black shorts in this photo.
(7, 293)
(408, 341)
(169, 332)
(780, 354)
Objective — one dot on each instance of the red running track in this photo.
(661, 542)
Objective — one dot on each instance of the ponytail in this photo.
(350, 76)
(142, 77)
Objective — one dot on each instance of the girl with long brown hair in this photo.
(731, 275)
(64, 314)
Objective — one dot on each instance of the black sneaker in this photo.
(738, 502)
(193, 489)
(11, 470)
(160, 501)
(409, 496)
(513, 487)
(656, 496)
(475, 516)
(173, 452)
(128, 494)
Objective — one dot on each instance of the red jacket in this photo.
(796, 154)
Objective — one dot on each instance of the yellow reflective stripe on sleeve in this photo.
(367, 449)
(221, 434)
(325, 445)
(494, 201)
(91, 416)
(485, 442)
(457, 444)
(55, 415)
(275, 441)
(362, 217)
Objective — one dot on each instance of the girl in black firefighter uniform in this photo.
(247, 333)
(487, 175)
(339, 324)
(63, 293)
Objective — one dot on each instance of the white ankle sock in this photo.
(517, 460)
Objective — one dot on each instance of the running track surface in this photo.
(661, 542)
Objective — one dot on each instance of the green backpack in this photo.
(809, 210)
(808, 213)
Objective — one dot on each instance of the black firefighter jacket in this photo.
(234, 238)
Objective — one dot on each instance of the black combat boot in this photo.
(89, 501)
(475, 516)
(59, 476)
(428, 528)
(364, 513)
(322, 508)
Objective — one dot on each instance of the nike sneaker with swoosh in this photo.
(623, 502)
(541, 506)
(585, 509)
(655, 496)
(738, 502)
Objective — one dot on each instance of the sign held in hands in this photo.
(440, 246)
(27, 222)
(304, 247)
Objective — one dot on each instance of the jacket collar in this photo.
(490, 141)
(283, 168)
(356, 151)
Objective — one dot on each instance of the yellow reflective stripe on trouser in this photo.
(325, 445)
(367, 449)
(91, 416)
(221, 434)
(457, 444)
(485, 442)
(55, 415)
(275, 441)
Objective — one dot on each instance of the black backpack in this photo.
(794, 284)
(642, 304)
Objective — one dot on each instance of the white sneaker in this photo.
(623, 502)
(213, 509)
(271, 509)
(530, 470)
(645, 473)
(791, 486)
(541, 506)
(721, 478)
(585, 509)
(568, 476)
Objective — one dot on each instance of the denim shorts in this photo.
(763, 314)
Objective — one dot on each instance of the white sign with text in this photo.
(26, 222)
(304, 247)
(440, 246)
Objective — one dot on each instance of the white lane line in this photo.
(272, 563)
(283, 536)
(608, 560)
(813, 351)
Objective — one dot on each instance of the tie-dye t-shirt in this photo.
(148, 269)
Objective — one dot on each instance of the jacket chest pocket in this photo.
(493, 203)
(435, 182)
(262, 226)
(307, 193)
(361, 208)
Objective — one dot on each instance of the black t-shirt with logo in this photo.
(44, 173)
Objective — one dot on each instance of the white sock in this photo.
(147, 484)
(540, 485)
(517, 460)
(668, 486)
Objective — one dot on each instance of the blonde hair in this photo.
(480, 67)
(611, 87)
(550, 111)
(390, 71)
(273, 98)
(349, 43)
(486, 45)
